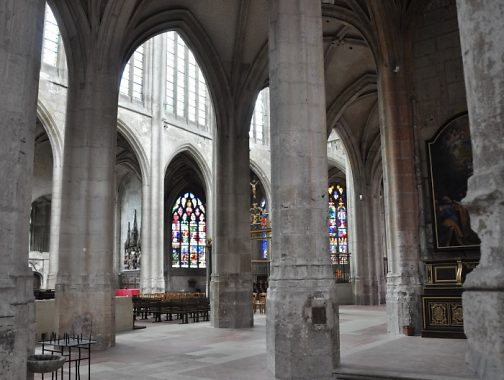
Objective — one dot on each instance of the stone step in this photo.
(352, 373)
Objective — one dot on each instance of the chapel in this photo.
(287, 156)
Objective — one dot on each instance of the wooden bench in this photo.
(182, 309)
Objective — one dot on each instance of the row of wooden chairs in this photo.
(174, 295)
(259, 302)
(182, 309)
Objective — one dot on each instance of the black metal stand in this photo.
(75, 349)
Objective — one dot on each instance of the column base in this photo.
(231, 300)
(367, 292)
(484, 328)
(302, 329)
(87, 310)
(403, 306)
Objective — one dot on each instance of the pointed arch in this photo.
(201, 163)
(364, 85)
(137, 147)
(52, 131)
(144, 26)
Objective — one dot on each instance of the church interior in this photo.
(304, 178)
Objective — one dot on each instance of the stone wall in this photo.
(45, 315)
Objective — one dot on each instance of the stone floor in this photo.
(197, 351)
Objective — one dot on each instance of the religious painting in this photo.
(450, 156)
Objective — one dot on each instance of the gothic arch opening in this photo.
(187, 263)
(128, 257)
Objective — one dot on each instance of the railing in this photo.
(341, 267)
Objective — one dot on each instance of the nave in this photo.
(169, 350)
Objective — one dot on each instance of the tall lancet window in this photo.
(188, 232)
(259, 125)
(186, 90)
(50, 47)
(132, 79)
(338, 224)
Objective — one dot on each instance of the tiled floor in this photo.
(198, 351)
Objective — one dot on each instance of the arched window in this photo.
(50, 47)
(188, 232)
(186, 90)
(338, 224)
(40, 224)
(132, 79)
(259, 125)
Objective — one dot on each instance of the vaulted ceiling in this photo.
(230, 38)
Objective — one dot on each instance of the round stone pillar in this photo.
(85, 281)
(21, 24)
(231, 280)
(399, 180)
(302, 314)
(482, 40)
(401, 201)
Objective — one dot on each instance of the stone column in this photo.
(401, 200)
(400, 191)
(85, 280)
(482, 39)
(151, 272)
(231, 279)
(362, 248)
(21, 24)
(302, 314)
(55, 221)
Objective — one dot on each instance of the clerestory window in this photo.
(259, 126)
(132, 84)
(51, 42)
(186, 94)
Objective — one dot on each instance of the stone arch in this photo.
(362, 86)
(137, 147)
(200, 161)
(55, 138)
(255, 81)
(185, 23)
(38, 280)
(189, 172)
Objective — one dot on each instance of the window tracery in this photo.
(132, 79)
(186, 94)
(338, 224)
(51, 42)
(188, 232)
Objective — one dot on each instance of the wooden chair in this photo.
(259, 303)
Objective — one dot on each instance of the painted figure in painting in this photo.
(451, 166)
(455, 225)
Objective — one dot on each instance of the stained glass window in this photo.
(338, 226)
(188, 232)
(264, 225)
